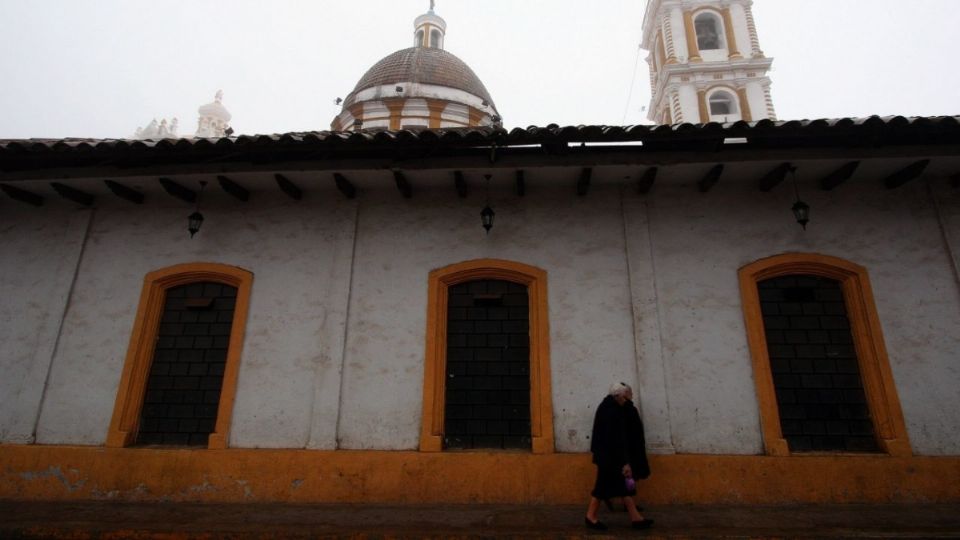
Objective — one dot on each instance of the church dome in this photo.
(422, 65)
(420, 87)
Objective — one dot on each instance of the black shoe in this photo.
(595, 525)
(642, 524)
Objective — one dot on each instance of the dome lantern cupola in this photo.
(421, 87)
(429, 30)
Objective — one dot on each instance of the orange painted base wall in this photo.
(243, 475)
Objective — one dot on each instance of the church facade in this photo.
(421, 306)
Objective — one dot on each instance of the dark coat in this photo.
(618, 439)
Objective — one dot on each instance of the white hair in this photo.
(619, 388)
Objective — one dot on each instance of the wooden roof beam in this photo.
(906, 174)
(345, 186)
(288, 187)
(178, 191)
(72, 194)
(22, 195)
(710, 179)
(955, 181)
(839, 176)
(645, 183)
(403, 185)
(461, 184)
(583, 185)
(521, 184)
(124, 192)
(773, 178)
(233, 189)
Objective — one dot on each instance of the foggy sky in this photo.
(85, 68)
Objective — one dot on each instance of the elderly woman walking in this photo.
(619, 452)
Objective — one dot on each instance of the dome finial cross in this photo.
(432, 4)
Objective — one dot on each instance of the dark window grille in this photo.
(816, 373)
(186, 375)
(488, 366)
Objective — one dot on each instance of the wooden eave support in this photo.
(773, 178)
(645, 183)
(955, 181)
(234, 189)
(461, 184)
(178, 191)
(22, 195)
(521, 184)
(72, 194)
(345, 186)
(402, 184)
(583, 185)
(288, 187)
(839, 176)
(124, 192)
(710, 179)
(906, 174)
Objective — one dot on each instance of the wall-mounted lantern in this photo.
(486, 215)
(195, 220)
(801, 210)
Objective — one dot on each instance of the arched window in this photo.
(709, 33)
(820, 365)
(418, 41)
(487, 362)
(436, 39)
(180, 375)
(722, 104)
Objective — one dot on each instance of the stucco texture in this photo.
(641, 288)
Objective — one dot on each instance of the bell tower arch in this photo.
(705, 62)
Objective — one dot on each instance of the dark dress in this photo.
(617, 439)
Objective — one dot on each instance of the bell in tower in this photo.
(705, 62)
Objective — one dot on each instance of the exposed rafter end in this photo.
(124, 192)
(955, 181)
(345, 186)
(288, 187)
(710, 179)
(177, 191)
(839, 176)
(461, 184)
(773, 178)
(906, 174)
(521, 184)
(72, 194)
(233, 189)
(22, 195)
(402, 184)
(583, 185)
(645, 183)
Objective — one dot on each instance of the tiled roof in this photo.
(32, 154)
(425, 66)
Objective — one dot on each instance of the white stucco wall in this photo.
(641, 288)
(291, 357)
(579, 242)
(40, 250)
(894, 234)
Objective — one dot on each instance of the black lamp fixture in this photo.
(486, 215)
(801, 210)
(195, 220)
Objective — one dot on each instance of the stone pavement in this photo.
(169, 521)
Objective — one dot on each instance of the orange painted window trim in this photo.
(868, 340)
(434, 380)
(136, 367)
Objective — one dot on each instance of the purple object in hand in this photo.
(631, 484)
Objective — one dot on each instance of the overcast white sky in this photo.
(101, 68)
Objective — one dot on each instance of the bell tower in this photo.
(705, 62)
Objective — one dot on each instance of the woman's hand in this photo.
(627, 471)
